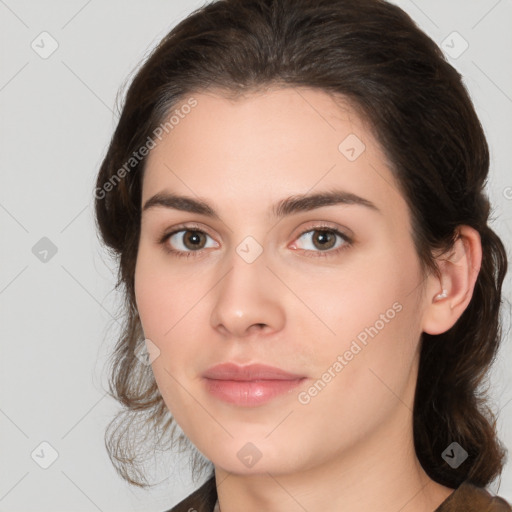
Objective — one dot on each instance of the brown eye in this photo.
(324, 239)
(322, 242)
(194, 240)
(189, 240)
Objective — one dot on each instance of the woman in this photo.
(295, 194)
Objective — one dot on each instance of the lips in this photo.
(231, 371)
(250, 385)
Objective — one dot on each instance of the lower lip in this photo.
(249, 393)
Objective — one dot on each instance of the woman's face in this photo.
(273, 259)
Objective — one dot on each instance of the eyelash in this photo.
(348, 242)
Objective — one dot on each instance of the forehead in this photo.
(267, 145)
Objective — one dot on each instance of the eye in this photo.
(187, 241)
(322, 240)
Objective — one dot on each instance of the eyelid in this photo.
(323, 225)
(186, 227)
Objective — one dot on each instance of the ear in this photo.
(448, 295)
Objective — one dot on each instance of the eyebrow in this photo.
(288, 206)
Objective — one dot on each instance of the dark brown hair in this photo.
(370, 53)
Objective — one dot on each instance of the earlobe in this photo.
(449, 294)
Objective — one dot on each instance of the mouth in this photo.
(249, 386)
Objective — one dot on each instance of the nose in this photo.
(247, 300)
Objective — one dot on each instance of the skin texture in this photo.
(297, 306)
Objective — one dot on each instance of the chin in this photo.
(246, 455)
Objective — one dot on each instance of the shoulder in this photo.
(201, 500)
(471, 498)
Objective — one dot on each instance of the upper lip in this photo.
(232, 371)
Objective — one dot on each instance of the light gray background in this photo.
(56, 119)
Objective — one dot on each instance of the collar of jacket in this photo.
(466, 498)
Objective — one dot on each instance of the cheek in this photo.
(163, 295)
(172, 310)
(163, 303)
(367, 314)
(339, 303)
(360, 373)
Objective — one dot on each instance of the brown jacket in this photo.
(466, 498)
